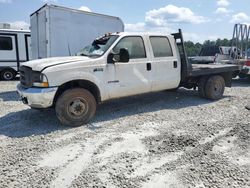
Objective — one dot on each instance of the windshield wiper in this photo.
(94, 55)
(82, 54)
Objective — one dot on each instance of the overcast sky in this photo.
(200, 19)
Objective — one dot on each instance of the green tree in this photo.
(209, 43)
(192, 49)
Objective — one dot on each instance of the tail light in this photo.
(248, 63)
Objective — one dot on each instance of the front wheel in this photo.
(75, 107)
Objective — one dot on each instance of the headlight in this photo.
(39, 80)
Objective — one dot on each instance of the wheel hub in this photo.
(77, 107)
(7, 75)
(217, 87)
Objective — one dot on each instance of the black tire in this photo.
(75, 107)
(8, 74)
(215, 87)
(201, 86)
(235, 74)
(39, 109)
(172, 90)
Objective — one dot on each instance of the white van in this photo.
(14, 49)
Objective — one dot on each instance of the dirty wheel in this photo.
(215, 87)
(75, 107)
(8, 74)
(201, 86)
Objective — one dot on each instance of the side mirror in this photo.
(122, 56)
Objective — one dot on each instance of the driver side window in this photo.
(134, 45)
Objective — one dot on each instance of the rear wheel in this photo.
(235, 74)
(215, 87)
(201, 86)
(8, 74)
(75, 107)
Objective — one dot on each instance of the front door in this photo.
(133, 77)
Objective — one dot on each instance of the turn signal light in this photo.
(41, 84)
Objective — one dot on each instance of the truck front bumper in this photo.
(37, 97)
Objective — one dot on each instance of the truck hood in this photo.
(41, 64)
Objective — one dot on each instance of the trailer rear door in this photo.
(38, 33)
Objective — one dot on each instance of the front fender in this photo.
(57, 79)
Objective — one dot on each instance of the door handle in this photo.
(149, 67)
(175, 64)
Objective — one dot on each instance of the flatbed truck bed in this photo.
(195, 75)
(207, 69)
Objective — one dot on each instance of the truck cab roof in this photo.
(141, 34)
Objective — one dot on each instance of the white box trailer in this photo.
(14, 49)
(59, 31)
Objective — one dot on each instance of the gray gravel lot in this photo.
(158, 140)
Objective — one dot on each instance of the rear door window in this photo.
(161, 46)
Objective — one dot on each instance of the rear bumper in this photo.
(37, 97)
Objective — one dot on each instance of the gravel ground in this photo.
(156, 140)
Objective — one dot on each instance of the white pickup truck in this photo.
(113, 66)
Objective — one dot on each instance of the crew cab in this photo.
(114, 66)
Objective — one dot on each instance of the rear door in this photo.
(42, 38)
(166, 68)
(34, 34)
(8, 54)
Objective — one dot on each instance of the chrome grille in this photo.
(26, 76)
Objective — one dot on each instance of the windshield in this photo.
(99, 46)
